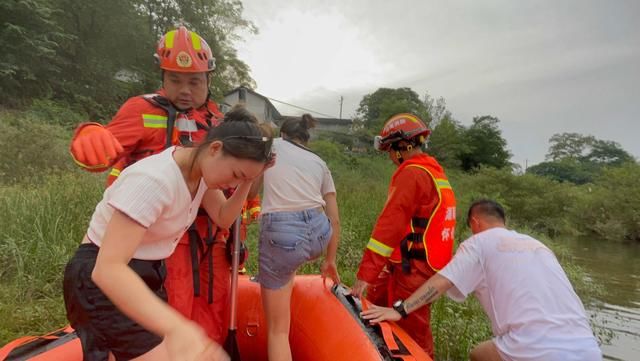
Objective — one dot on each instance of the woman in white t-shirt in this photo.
(113, 285)
(299, 222)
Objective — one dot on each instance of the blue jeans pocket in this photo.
(281, 253)
(283, 240)
(320, 237)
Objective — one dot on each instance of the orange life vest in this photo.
(143, 126)
(430, 231)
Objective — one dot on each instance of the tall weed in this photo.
(42, 224)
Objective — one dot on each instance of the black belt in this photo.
(196, 244)
(419, 254)
(413, 253)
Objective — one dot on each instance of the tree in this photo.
(103, 43)
(564, 170)
(29, 40)
(579, 159)
(94, 54)
(437, 109)
(606, 152)
(447, 143)
(486, 147)
(568, 145)
(377, 107)
(586, 148)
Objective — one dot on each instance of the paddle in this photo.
(231, 343)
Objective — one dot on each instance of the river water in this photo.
(617, 267)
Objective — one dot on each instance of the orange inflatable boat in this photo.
(324, 326)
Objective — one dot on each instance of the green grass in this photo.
(46, 209)
(42, 225)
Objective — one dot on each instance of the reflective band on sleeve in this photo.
(168, 39)
(154, 121)
(254, 210)
(195, 41)
(115, 172)
(379, 248)
(443, 183)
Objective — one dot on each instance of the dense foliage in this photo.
(91, 55)
(480, 144)
(580, 159)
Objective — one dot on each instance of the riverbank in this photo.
(617, 310)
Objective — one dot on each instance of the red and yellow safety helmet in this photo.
(403, 126)
(184, 51)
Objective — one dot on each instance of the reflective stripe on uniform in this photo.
(379, 248)
(115, 172)
(443, 183)
(154, 121)
(254, 210)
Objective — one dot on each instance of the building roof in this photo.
(274, 110)
(326, 121)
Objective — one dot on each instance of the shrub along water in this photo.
(46, 204)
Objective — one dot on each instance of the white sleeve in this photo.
(327, 182)
(464, 271)
(141, 197)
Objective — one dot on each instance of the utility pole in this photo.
(341, 100)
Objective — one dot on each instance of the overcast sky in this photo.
(542, 67)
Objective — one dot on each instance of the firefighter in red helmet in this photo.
(413, 236)
(180, 113)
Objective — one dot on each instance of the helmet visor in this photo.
(379, 145)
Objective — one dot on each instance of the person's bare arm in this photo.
(122, 285)
(427, 293)
(223, 211)
(329, 267)
(132, 296)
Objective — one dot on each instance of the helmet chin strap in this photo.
(398, 148)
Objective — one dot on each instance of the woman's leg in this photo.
(277, 309)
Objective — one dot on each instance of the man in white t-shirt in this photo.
(535, 313)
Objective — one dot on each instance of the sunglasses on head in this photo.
(268, 151)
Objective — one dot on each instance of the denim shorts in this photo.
(287, 240)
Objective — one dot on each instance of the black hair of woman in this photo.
(241, 136)
(297, 129)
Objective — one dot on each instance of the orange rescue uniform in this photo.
(140, 126)
(412, 240)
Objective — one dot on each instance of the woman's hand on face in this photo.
(376, 314)
(188, 342)
(329, 269)
(271, 162)
(214, 352)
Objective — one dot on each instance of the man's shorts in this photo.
(287, 240)
(100, 325)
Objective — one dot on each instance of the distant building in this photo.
(256, 103)
(265, 111)
(326, 124)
